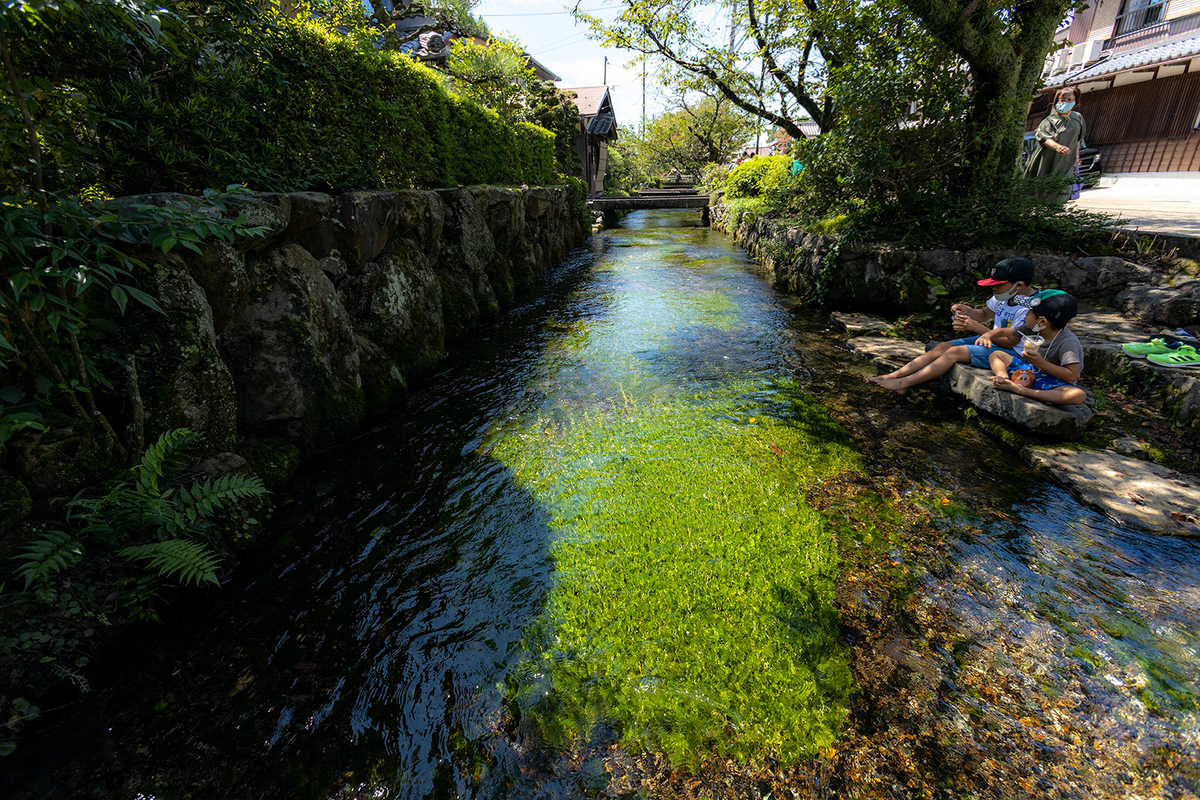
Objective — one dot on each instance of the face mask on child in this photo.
(1006, 296)
(1064, 108)
(1041, 325)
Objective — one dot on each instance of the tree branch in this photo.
(708, 72)
(806, 101)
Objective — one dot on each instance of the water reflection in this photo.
(369, 653)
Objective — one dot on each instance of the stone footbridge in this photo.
(650, 198)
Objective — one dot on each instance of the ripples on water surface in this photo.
(371, 653)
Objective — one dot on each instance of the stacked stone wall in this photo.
(277, 346)
(823, 272)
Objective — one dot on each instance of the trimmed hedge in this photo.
(275, 104)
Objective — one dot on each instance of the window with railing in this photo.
(1138, 14)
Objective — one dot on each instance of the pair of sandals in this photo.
(1165, 353)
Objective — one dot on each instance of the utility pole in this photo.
(643, 92)
(605, 81)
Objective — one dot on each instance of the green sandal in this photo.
(1183, 356)
(1143, 349)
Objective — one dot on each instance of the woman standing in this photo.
(1059, 138)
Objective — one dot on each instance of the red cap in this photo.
(990, 282)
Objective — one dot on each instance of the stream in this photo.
(587, 537)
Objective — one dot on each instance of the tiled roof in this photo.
(603, 124)
(589, 98)
(1136, 58)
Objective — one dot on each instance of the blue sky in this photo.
(551, 35)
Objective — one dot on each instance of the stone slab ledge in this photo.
(1134, 492)
(976, 386)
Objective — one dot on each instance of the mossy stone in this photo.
(274, 460)
(15, 503)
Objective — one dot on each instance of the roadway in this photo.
(1148, 202)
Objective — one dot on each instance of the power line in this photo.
(548, 13)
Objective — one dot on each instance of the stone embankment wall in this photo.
(893, 281)
(864, 277)
(276, 346)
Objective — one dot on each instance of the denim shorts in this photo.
(1040, 379)
(979, 353)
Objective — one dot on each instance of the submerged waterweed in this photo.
(693, 598)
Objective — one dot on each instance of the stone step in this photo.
(1138, 493)
(976, 386)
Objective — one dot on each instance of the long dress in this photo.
(1069, 131)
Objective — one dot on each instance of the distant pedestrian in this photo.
(1059, 138)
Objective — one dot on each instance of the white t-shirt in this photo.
(1006, 315)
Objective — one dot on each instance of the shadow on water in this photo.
(369, 651)
(364, 654)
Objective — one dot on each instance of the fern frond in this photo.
(158, 456)
(52, 553)
(218, 491)
(191, 561)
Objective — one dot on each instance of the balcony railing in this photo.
(1139, 14)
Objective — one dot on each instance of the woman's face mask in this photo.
(1064, 107)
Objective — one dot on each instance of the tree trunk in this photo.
(997, 115)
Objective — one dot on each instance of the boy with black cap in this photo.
(1009, 280)
(1055, 363)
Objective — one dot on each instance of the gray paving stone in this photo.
(1139, 493)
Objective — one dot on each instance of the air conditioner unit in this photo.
(1060, 60)
(1087, 52)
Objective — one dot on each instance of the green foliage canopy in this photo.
(701, 131)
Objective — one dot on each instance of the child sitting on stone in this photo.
(1049, 370)
(1010, 283)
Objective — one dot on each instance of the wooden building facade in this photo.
(597, 127)
(1136, 65)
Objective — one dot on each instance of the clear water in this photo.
(370, 651)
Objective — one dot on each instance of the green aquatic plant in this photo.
(693, 606)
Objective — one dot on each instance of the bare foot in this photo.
(892, 385)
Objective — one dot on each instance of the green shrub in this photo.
(753, 178)
(714, 177)
(231, 94)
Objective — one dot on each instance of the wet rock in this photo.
(368, 219)
(292, 352)
(15, 503)
(382, 382)
(861, 324)
(396, 302)
(885, 353)
(1139, 493)
(63, 458)
(1024, 412)
(220, 270)
(183, 379)
(467, 248)
(1161, 305)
